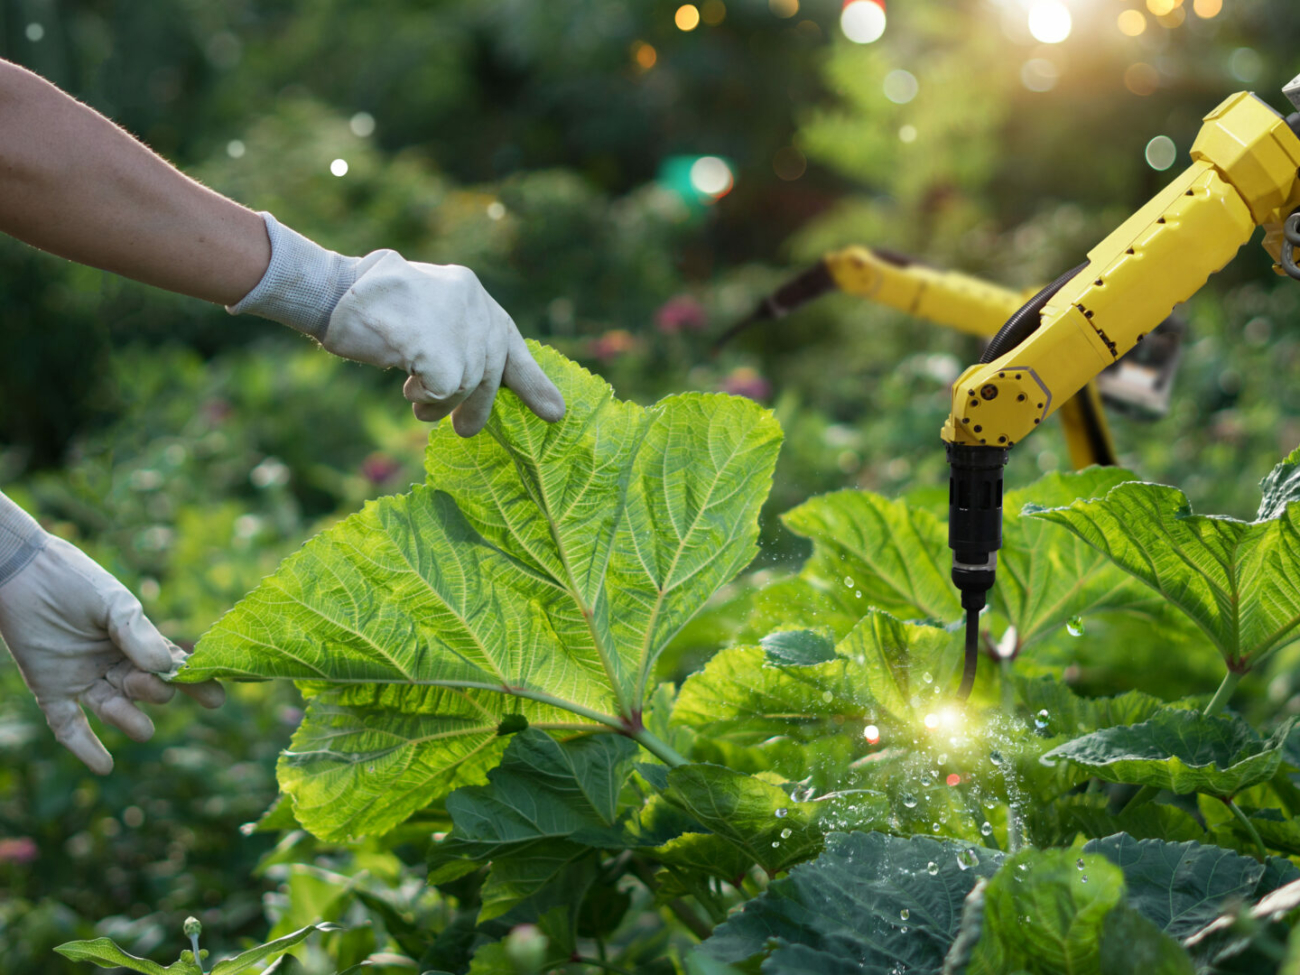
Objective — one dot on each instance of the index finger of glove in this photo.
(112, 707)
(72, 731)
(525, 377)
(133, 634)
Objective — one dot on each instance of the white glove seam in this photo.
(21, 540)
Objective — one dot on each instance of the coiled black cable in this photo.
(1025, 322)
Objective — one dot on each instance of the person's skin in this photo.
(76, 185)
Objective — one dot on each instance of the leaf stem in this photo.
(656, 746)
(1220, 700)
(692, 921)
(1249, 827)
(1217, 703)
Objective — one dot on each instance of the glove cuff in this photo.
(21, 539)
(302, 284)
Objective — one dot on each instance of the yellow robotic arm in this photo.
(1243, 175)
(967, 304)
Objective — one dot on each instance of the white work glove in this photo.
(434, 322)
(80, 637)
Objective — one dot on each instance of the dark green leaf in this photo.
(544, 806)
(1182, 751)
(844, 911)
(1179, 886)
(1132, 945)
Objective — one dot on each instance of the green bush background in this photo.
(189, 451)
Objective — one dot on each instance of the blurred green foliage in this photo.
(189, 451)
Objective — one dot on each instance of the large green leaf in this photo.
(1047, 576)
(871, 903)
(1182, 751)
(1235, 579)
(1179, 886)
(895, 554)
(539, 574)
(1053, 913)
(544, 807)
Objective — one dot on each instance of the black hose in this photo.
(812, 283)
(1291, 235)
(972, 655)
(1025, 322)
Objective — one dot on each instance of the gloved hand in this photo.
(434, 322)
(79, 637)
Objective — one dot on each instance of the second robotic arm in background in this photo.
(976, 307)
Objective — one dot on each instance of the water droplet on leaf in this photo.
(987, 829)
(1075, 626)
(967, 859)
(785, 833)
(909, 800)
(1079, 863)
(905, 914)
(932, 868)
(782, 813)
(848, 581)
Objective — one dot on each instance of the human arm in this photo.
(77, 185)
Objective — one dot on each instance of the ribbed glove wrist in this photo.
(21, 538)
(302, 285)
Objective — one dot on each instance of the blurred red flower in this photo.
(612, 344)
(745, 381)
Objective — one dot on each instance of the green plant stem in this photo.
(1220, 700)
(681, 910)
(1217, 703)
(600, 963)
(1249, 827)
(657, 747)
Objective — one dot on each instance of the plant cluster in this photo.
(479, 661)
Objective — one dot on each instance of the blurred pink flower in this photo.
(744, 381)
(217, 411)
(680, 314)
(18, 849)
(379, 467)
(612, 344)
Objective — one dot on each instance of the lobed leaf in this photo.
(1182, 751)
(544, 807)
(1236, 580)
(845, 910)
(105, 953)
(544, 562)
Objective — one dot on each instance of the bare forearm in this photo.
(74, 184)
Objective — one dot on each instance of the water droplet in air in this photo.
(987, 829)
(1083, 879)
(903, 929)
(934, 827)
(1075, 626)
(1079, 863)
(996, 758)
(928, 677)
(905, 914)
(827, 696)
(786, 833)
(775, 844)
(859, 593)
(1040, 719)
(848, 581)
(909, 800)
(942, 759)
(782, 813)
(967, 859)
(932, 868)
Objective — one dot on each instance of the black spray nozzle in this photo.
(812, 283)
(974, 535)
